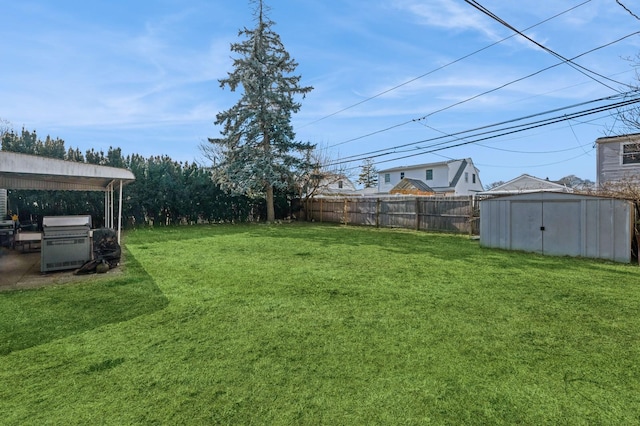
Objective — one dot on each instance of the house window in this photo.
(466, 177)
(429, 174)
(340, 184)
(473, 178)
(401, 175)
(387, 178)
(631, 153)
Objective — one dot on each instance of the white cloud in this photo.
(449, 14)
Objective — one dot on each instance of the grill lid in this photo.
(66, 221)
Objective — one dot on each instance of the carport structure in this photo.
(22, 171)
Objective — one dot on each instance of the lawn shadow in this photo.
(33, 317)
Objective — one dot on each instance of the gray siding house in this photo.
(618, 158)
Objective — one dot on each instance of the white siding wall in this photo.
(443, 175)
(465, 187)
(440, 177)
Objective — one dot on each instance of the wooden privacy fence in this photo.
(450, 214)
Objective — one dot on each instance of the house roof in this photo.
(526, 183)
(618, 138)
(408, 184)
(22, 171)
(456, 178)
(419, 166)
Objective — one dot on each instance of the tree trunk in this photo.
(271, 213)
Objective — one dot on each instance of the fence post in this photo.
(417, 213)
(320, 210)
(346, 211)
(471, 218)
(378, 212)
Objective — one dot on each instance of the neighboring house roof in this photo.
(413, 186)
(526, 183)
(628, 137)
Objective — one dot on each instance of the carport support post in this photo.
(106, 207)
(120, 212)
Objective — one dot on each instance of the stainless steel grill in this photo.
(66, 242)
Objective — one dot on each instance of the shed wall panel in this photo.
(574, 225)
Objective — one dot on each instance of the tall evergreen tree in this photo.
(257, 151)
(368, 174)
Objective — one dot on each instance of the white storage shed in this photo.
(559, 224)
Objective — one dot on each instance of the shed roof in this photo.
(412, 184)
(22, 171)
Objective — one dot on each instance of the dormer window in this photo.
(429, 175)
(401, 175)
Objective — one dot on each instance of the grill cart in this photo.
(66, 242)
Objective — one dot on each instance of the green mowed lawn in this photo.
(323, 324)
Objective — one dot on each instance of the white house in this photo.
(526, 183)
(618, 158)
(335, 184)
(454, 177)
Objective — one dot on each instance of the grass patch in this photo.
(324, 324)
(33, 317)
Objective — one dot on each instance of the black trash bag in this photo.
(106, 247)
(106, 252)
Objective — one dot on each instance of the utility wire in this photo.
(502, 123)
(495, 148)
(481, 136)
(482, 93)
(441, 67)
(530, 166)
(627, 9)
(498, 135)
(585, 71)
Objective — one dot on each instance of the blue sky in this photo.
(391, 78)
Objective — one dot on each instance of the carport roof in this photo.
(22, 171)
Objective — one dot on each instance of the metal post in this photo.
(112, 204)
(120, 212)
(106, 206)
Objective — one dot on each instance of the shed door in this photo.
(526, 220)
(562, 233)
(549, 227)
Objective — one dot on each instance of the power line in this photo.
(486, 135)
(583, 70)
(556, 151)
(483, 93)
(627, 9)
(502, 123)
(441, 67)
(532, 166)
